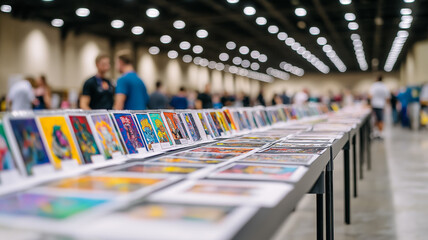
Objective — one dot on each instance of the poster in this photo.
(147, 131)
(214, 127)
(205, 155)
(205, 125)
(106, 135)
(179, 122)
(157, 169)
(293, 150)
(222, 150)
(229, 119)
(178, 160)
(191, 126)
(222, 121)
(176, 134)
(238, 144)
(300, 145)
(160, 129)
(59, 140)
(128, 131)
(302, 159)
(85, 138)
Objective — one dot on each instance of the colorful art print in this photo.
(261, 171)
(30, 144)
(301, 145)
(215, 125)
(129, 132)
(222, 150)
(147, 130)
(261, 138)
(316, 133)
(105, 133)
(239, 144)
(115, 184)
(273, 150)
(222, 121)
(191, 126)
(179, 122)
(6, 158)
(299, 140)
(241, 123)
(159, 169)
(172, 160)
(229, 119)
(173, 127)
(205, 125)
(313, 137)
(247, 120)
(46, 206)
(85, 138)
(61, 145)
(205, 155)
(305, 159)
(160, 128)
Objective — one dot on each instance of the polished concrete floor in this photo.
(392, 201)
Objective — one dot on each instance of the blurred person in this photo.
(348, 98)
(246, 101)
(3, 104)
(204, 99)
(301, 97)
(379, 95)
(239, 100)
(227, 100)
(98, 92)
(404, 98)
(180, 101)
(21, 95)
(65, 103)
(423, 97)
(158, 99)
(393, 103)
(191, 99)
(260, 98)
(276, 100)
(285, 98)
(42, 93)
(131, 92)
(217, 101)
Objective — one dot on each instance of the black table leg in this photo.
(320, 216)
(368, 148)
(347, 184)
(362, 151)
(329, 210)
(354, 163)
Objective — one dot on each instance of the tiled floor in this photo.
(392, 202)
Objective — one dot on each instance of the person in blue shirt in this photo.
(180, 101)
(131, 93)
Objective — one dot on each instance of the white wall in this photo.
(414, 68)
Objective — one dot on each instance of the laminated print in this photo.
(160, 128)
(129, 132)
(85, 138)
(173, 127)
(147, 130)
(105, 132)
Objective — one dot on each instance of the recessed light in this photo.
(6, 8)
(152, 12)
(244, 50)
(353, 26)
(223, 57)
(300, 12)
(154, 50)
(406, 11)
(237, 60)
(263, 58)
(232, 1)
(404, 25)
(179, 24)
(117, 23)
(173, 54)
(82, 12)
(407, 19)
(255, 54)
(327, 48)
(245, 63)
(289, 41)
(261, 21)
(198, 49)
(255, 66)
(403, 33)
(273, 29)
(355, 36)
(409, 1)
(345, 2)
(282, 36)
(137, 30)
(230, 45)
(350, 17)
(321, 41)
(57, 22)
(202, 33)
(314, 31)
(165, 39)
(185, 45)
(249, 11)
(219, 66)
(187, 58)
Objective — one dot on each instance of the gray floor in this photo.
(392, 202)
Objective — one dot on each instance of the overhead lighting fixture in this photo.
(273, 29)
(154, 50)
(249, 11)
(198, 49)
(245, 63)
(263, 58)
(409, 1)
(219, 66)
(404, 25)
(345, 2)
(137, 30)
(406, 11)
(282, 36)
(223, 57)
(290, 41)
(300, 12)
(395, 51)
(6, 8)
(82, 12)
(350, 17)
(230, 45)
(179, 24)
(353, 26)
(165, 39)
(117, 24)
(152, 12)
(355, 36)
(232, 1)
(187, 58)
(255, 66)
(407, 19)
(237, 60)
(202, 33)
(314, 31)
(57, 22)
(172, 54)
(185, 45)
(261, 21)
(244, 50)
(321, 41)
(255, 54)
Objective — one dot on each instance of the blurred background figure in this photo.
(131, 92)
(260, 98)
(42, 94)
(98, 91)
(239, 100)
(404, 98)
(227, 100)
(423, 98)
(285, 98)
(394, 111)
(301, 97)
(191, 98)
(158, 99)
(379, 94)
(276, 100)
(21, 95)
(180, 101)
(348, 98)
(217, 101)
(204, 99)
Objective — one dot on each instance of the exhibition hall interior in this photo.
(213, 119)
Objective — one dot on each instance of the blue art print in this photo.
(129, 132)
(192, 130)
(247, 119)
(147, 130)
(212, 124)
(180, 125)
(238, 118)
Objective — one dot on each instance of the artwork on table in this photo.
(128, 131)
(303, 159)
(215, 125)
(275, 150)
(179, 122)
(298, 140)
(205, 155)
(147, 130)
(300, 145)
(106, 135)
(85, 138)
(229, 119)
(61, 145)
(222, 150)
(157, 169)
(191, 126)
(255, 171)
(249, 122)
(6, 158)
(30, 144)
(179, 160)
(238, 144)
(160, 129)
(176, 134)
(222, 121)
(205, 125)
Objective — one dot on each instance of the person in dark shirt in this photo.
(261, 99)
(98, 91)
(204, 99)
(158, 99)
(179, 101)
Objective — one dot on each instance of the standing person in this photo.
(301, 97)
(393, 103)
(379, 94)
(204, 99)
(42, 94)
(98, 91)
(21, 95)
(131, 93)
(179, 101)
(158, 99)
(261, 99)
(285, 98)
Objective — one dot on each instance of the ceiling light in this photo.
(172, 54)
(244, 50)
(187, 58)
(327, 48)
(409, 1)
(152, 12)
(185, 45)
(345, 2)
(6, 8)
(282, 36)
(407, 19)
(249, 11)
(230, 45)
(245, 63)
(261, 21)
(212, 64)
(355, 36)
(179, 24)
(314, 31)
(204, 62)
(289, 41)
(237, 60)
(350, 17)
(117, 23)
(154, 50)
(232, 1)
(321, 41)
(300, 12)
(223, 57)
(404, 25)
(137, 30)
(198, 49)
(255, 66)
(57, 22)
(353, 26)
(406, 11)
(82, 12)
(255, 54)
(295, 46)
(219, 66)
(197, 60)
(403, 33)
(202, 33)
(263, 58)
(273, 29)
(165, 39)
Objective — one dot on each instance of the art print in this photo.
(191, 126)
(303, 159)
(6, 158)
(105, 133)
(158, 169)
(176, 134)
(160, 129)
(222, 150)
(129, 132)
(178, 160)
(205, 155)
(275, 150)
(85, 138)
